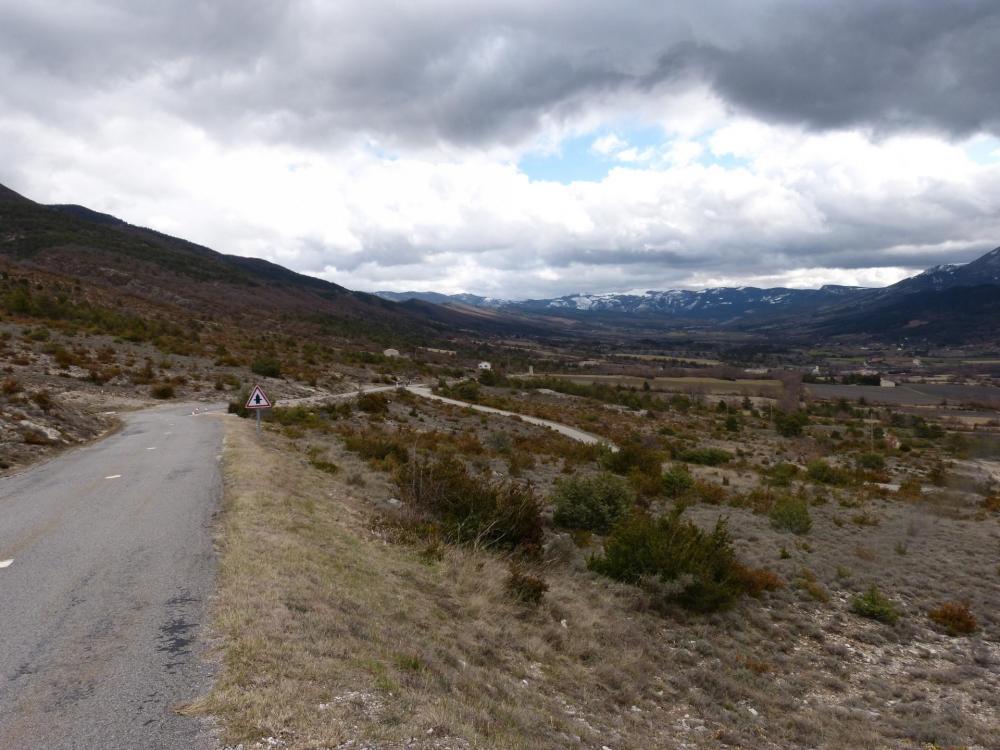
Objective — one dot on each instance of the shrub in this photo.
(632, 455)
(871, 461)
(991, 503)
(294, 416)
(875, 605)
(373, 403)
(327, 466)
(704, 456)
(266, 366)
(808, 583)
(524, 587)
(162, 391)
(593, 504)
(955, 618)
(36, 437)
(758, 580)
(472, 510)
(790, 424)
(709, 492)
(43, 399)
(10, 386)
(374, 445)
(699, 569)
(781, 474)
(467, 390)
(791, 514)
(677, 481)
(823, 473)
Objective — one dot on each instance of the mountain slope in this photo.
(115, 259)
(957, 315)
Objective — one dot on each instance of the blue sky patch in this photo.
(577, 160)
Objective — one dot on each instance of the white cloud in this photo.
(804, 209)
(377, 147)
(608, 144)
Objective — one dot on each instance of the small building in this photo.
(392, 353)
(886, 383)
(485, 366)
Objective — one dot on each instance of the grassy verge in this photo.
(331, 634)
(335, 634)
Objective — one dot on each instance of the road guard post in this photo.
(258, 400)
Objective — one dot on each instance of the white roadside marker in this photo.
(114, 476)
(5, 563)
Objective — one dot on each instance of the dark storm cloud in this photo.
(895, 64)
(475, 74)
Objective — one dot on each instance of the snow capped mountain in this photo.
(728, 304)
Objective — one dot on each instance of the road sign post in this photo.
(258, 401)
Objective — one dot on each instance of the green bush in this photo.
(790, 424)
(593, 503)
(238, 406)
(297, 416)
(373, 403)
(632, 455)
(467, 390)
(823, 473)
(374, 445)
(697, 569)
(875, 605)
(781, 474)
(677, 481)
(791, 514)
(704, 456)
(471, 509)
(266, 366)
(871, 461)
(162, 391)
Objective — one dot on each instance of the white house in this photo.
(391, 353)
(485, 366)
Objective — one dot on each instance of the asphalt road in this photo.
(106, 564)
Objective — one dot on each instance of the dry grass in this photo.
(332, 631)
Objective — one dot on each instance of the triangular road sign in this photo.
(257, 399)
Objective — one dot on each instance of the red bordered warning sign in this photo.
(258, 399)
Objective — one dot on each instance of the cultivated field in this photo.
(928, 394)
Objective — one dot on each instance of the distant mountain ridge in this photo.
(730, 305)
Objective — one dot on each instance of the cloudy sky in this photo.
(524, 148)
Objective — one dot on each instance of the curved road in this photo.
(562, 429)
(106, 563)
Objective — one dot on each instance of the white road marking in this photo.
(151, 449)
(5, 563)
(114, 476)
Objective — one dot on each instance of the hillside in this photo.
(180, 277)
